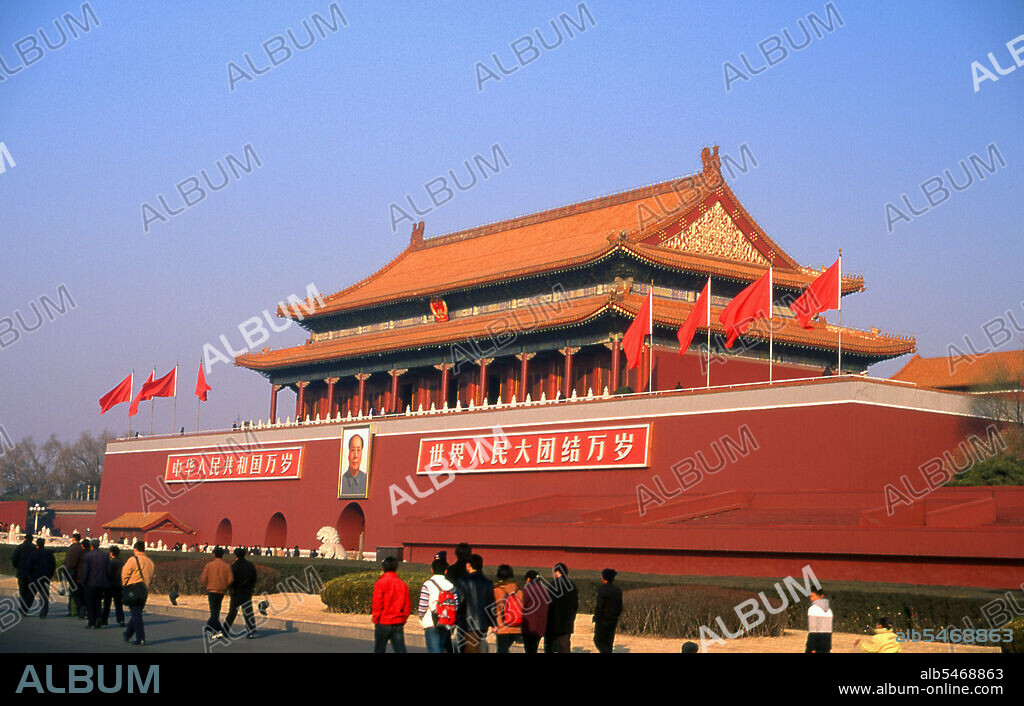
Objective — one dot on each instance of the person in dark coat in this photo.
(565, 603)
(41, 567)
(453, 573)
(114, 588)
(20, 560)
(475, 606)
(243, 583)
(607, 611)
(535, 611)
(72, 565)
(95, 570)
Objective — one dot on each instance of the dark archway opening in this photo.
(277, 531)
(351, 524)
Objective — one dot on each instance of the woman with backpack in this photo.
(508, 602)
(437, 609)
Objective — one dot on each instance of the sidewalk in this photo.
(306, 613)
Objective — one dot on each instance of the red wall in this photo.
(689, 370)
(14, 512)
(841, 447)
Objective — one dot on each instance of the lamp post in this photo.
(36, 509)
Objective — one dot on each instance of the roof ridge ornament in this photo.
(712, 163)
(416, 239)
(618, 238)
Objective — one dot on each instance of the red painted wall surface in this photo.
(689, 370)
(841, 447)
(14, 512)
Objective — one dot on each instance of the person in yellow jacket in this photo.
(138, 569)
(884, 639)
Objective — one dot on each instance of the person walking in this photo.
(819, 623)
(391, 608)
(72, 564)
(476, 605)
(565, 604)
(243, 583)
(79, 583)
(20, 559)
(95, 576)
(438, 608)
(216, 578)
(113, 590)
(536, 599)
(135, 577)
(508, 604)
(41, 567)
(607, 611)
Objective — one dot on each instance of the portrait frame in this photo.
(345, 491)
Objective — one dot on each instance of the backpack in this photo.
(443, 614)
(512, 610)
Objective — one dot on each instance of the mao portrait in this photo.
(355, 463)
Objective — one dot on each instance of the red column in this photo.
(393, 404)
(567, 385)
(361, 377)
(300, 400)
(481, 393)
(524, 375)
(442, 398)
(616, 362)
(274, 389)
(330, 394)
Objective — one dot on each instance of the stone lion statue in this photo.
(330, 543)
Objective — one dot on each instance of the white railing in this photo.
(511, 404)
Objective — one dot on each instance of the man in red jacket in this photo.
(391, 608)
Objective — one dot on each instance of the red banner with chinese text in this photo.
(546, 450)
(262, 464)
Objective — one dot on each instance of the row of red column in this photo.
(524, 380)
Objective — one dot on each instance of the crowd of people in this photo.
(94, 580)
(459, 607)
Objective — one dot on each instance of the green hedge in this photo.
(680, 611)
(1017, 645)
(353, 593)
(184, 577)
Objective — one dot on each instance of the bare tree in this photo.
(1001, 396)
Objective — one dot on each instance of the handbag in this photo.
(134, 595)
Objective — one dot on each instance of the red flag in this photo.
(822, 295)
(201, 387)
(121, 393)
(699, 316)
(167, 386)
(633, 340)
(751, 304)
(141, 397)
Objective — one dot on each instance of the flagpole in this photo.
(650, 327)
(131, 396)
(771, 336)
(174, 413)
(840, 371)
(709, 332)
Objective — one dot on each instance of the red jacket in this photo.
(391, 605)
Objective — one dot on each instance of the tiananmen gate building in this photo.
(475, 389)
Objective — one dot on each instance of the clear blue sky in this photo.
(372, 111)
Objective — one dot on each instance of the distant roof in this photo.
(88, 507)
(694, 222)
(148, 521)
(965, 372)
